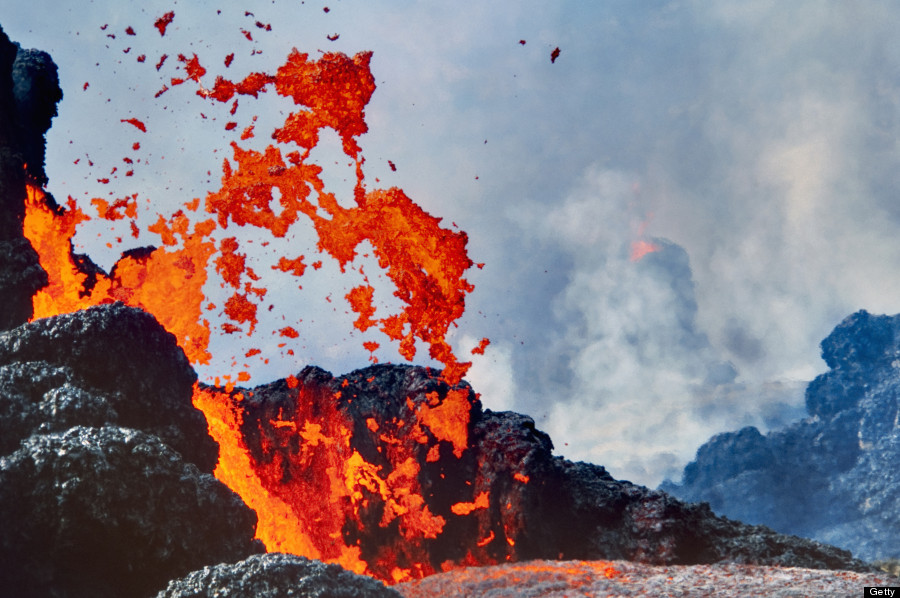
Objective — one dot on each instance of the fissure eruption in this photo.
(394, 471)
(335, 479)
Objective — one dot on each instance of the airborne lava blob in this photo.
(272, 190)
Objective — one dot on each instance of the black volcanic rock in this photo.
(21, 275)
(21, 141)
(831, 476)
(37, 92)
(274, 575)
(111, 364)
(540, 506)
(111, 512)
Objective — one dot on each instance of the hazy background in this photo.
(754, 143)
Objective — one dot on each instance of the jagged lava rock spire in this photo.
(833, 475)
(25, 75)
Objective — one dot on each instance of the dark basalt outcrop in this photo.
(111, 512)
(109, 364)
(29, 90)
(541, 506)
(831, 476)
(274, 575)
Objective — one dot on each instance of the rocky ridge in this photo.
(831, 476)
(540, 506)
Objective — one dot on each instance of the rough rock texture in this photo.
(540, 506)
(111, 512)
(832, 476)
(105, 485)
(37, 92)
(545, 579)
(107, 364)
(22, 72)
(276, 575)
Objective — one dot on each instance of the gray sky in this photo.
(753, 142)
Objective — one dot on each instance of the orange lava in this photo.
(315, 503)
(425, 262)
(167, 282)
(272, 190)
(464, 508)
(641, 248)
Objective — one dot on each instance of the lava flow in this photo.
(323, 484)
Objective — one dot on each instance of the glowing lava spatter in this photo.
(273, 190)
(167, 282)
(332, 486)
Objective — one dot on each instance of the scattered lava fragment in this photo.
(137, 123)
(288, 332)
(464, 508)
(554, 55)
(270, 190)
(425, 262)
(294, 266)
(164, 21)
(479, 350)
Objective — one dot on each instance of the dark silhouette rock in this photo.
(22, 72)
(37, 92)
(132, 368)
(111, 512)
(21, 276)
(831, 476)
(274, 575)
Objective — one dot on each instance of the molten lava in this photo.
(425, 262)
(641, 248)
(338, 479)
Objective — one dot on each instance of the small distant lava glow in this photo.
(641, 248)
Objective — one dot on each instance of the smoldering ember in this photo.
(122, 475)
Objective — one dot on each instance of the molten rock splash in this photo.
(271, 190)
